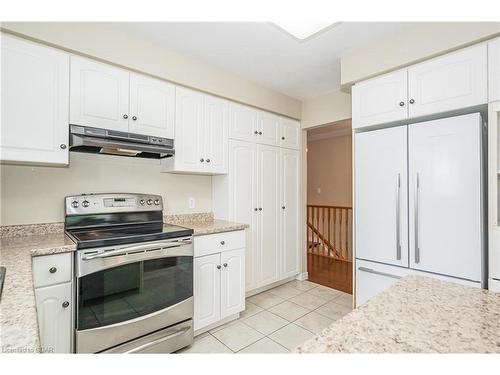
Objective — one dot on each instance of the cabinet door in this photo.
(243, 191)
(99, 95)
(269, 131)
(216, 139)
(453, 81)
(290, 134)
(381, 213)
(232, 282)
(445, 196)
(269, 212)
(54, 319)
(494, 70)
(189, 135)
(152, 106)
(35, 103)
(242, 122)
(379, 100)
(290, 213)
(206, 290)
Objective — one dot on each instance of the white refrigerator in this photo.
(418, 203)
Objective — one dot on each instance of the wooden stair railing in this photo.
(329, 231)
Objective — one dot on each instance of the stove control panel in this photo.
(110, 203)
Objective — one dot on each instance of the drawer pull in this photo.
(369, 270)
(65, 304)
(225, 264)
(223, 242)
(52, 269)
(218, 267)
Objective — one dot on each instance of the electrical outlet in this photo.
(191, 202)
(319, 190)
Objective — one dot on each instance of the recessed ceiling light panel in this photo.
(302, 30)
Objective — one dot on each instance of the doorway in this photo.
(329, 205)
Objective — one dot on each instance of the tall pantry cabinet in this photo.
(262, 190)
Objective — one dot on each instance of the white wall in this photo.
(102, 41)
(410, 46)
(325, 109)
(36, 194)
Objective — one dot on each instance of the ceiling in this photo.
(264, 53)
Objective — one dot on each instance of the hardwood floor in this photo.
(330, 272)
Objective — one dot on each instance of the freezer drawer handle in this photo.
(398, 219)
(369, 270)
(417, 248)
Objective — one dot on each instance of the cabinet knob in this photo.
(208, 160)
(52, 269)
(218, 267)
(256, 132)
(202, 160)
(125, 116)
(260, 208)
(401, 104)
(412, 101)
(223, 242)
(282, 138)
(63, 146)
(260, 133)
(225, 264)
(256, 209)
(282, 207)
(134, 118)
(65, 304)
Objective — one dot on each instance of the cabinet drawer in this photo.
(51, 269)
(219, 242)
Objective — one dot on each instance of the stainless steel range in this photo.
(134, 275)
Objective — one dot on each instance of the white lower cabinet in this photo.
(52, 278)
(219, 278)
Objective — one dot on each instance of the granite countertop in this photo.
(417, 315)
(18, 319)
(204, 223)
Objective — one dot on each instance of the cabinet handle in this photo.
(401, 104)
(225, 264)
(63, 146)
(202, 160)
(412, 101)
(134, 118)
(369, 270)
(223, 242)
(208, 160)
(417, 249)
(218, 267)
(65, 304)
(52, 269)
(398, 219)
(125, 116)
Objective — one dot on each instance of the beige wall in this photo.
(35, 194)
(410, 46)
(102, 41)
(325, 109)
(329, 167)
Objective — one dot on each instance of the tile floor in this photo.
(276, 321)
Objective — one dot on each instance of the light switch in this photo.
(191, 202)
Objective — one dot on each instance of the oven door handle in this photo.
(126, 250)
(175, 333)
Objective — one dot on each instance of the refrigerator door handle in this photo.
(398, 219)
(417, 248)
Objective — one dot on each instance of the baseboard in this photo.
(494, 285)
(269, 286)
(302, 276)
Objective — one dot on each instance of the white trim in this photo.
(302, 276)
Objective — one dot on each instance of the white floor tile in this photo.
(325, 292)
(265, 300)
(344, 299)
(250, 309)
(302, 285)
(289, 310)
(222, 326)
(238, 336)
(285, 291)
(314, 322)
(333, 310)
(206, 344)
(308, 301)
(265, 322)
(264, 346)
(291, 336)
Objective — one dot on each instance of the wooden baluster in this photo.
(328, 237)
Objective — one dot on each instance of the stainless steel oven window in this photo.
(131, 290)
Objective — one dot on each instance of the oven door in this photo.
(127, 292)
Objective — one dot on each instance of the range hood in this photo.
(111, 142)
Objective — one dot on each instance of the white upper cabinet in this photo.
(381, 196)
(380, 100)
(201, 134)
(35, 103)
(494, 70)
(269, 132)
(99, 95)
(290, 133)
(152, 106)
(243, 122)
(453, 81)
